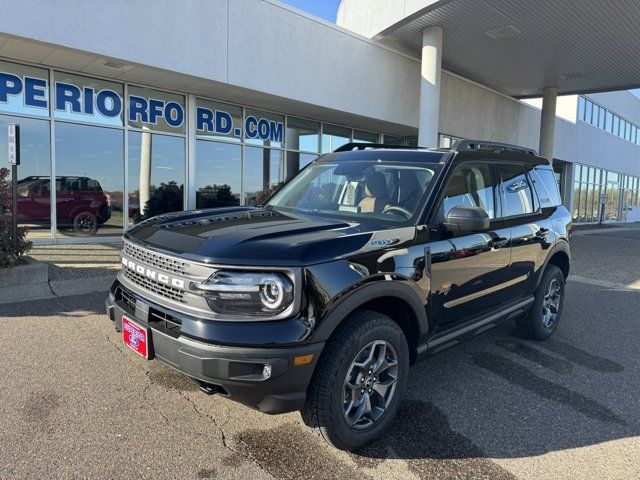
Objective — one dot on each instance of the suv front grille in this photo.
(154, 259)
(156, 287)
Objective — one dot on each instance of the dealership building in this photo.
(132, 109)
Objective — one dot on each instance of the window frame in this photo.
(437, 219)
(535, 201)
(534, 180)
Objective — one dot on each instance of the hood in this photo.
(252, 236)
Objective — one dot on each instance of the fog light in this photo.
(266, 371)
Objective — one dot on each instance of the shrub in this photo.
(9, 255)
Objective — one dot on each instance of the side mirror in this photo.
(467, 219)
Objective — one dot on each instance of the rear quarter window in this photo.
(546, 187)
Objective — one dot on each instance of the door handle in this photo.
(542, 232)
(498, 242)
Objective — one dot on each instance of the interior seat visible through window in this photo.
(471, 186)
(376, 194)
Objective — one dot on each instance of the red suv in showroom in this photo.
(80, 203)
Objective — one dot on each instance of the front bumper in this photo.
(230, 370)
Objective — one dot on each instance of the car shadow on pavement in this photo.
(527, 404)
(512, 422)
(497, 396)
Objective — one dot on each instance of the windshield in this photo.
(359, 190)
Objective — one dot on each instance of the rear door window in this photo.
(546, 186)
(515, 190)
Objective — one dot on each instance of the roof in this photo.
(519, 47)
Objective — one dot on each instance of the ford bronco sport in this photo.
(367, 261)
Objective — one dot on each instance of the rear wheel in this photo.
(359, 381)
(544, 316)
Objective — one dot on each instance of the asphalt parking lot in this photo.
(76, 403)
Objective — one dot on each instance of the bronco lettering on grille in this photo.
(153, 274)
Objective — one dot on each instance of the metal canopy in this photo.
(519, 47)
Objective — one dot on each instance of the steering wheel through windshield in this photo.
(394, 209)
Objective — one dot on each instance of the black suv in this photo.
(366, 262)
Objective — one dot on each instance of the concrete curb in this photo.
(592, 231)
(30, 272)
(603, 283)
(56, 289)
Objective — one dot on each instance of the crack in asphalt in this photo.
(217, 426)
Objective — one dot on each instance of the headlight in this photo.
(248, 293)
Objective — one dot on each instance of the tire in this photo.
(543, 318)
(85, 223)
(363, 334)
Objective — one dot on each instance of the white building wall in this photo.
(370, 17)
(470, 110)
(261, 45)
(278, 51)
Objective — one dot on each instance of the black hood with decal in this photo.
(255, 236)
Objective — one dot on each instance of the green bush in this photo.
(8, 255)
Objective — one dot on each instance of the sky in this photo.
(326, 9)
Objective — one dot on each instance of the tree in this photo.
(9, 255)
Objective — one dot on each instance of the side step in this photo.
(469, 330)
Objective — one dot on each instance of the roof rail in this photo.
(348, 147)
(470, 145)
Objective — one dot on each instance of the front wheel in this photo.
(544, 316)
(85, 223)
(358, 384)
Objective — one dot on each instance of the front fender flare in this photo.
(364, 293)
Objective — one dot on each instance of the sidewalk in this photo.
(588, 229)
(73, 270)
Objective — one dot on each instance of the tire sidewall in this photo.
(378, 329)
(77, 227)
(537, 325)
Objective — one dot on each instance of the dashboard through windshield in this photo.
(359, 190)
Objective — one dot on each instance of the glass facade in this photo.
(602, 194)
(100, 155)
(262, 175)
(34, 173)
(598, 116)
(89, 180)
(156, 175)
(218, 174)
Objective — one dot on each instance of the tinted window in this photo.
(546, 187)
(470, 186)
(515, 190)
(218, 174)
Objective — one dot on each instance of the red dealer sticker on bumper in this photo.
(135, 336)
